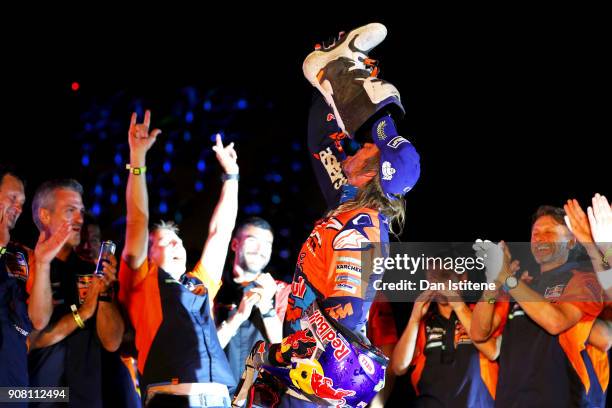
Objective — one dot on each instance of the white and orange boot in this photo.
(347, 77)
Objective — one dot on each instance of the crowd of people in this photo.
(141, 328)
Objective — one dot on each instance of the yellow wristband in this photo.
(137, 171)
(77, 317)
(2, 250)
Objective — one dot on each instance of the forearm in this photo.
(489, 347)
(220, 230)
(54, 333)
(551, 317)
(40, 302)
(137, 219)
(227, 329)
(404, 350)
(109, 325)
(595, 255)
(481, 325)
(223, 219)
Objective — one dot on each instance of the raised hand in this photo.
(600, 219)
(48, 247)
(139, 136)
(577, 221)
(421, 304)
(248, 301)
(226, 156)
(493, 257)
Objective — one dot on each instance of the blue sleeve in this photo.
(324, 156)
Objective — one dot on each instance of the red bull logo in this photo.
(298, 337)
(327, 333)
(308, 376)
(301, 344)
(323, 387)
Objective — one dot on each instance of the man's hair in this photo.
(10, 170)
(557, 213)
(44, 197)
(162, 225)
(255, 222)
(372, 196)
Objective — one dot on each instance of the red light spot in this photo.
(75, 86)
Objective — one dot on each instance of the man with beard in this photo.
(256, 293)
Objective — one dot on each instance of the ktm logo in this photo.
(340, 312)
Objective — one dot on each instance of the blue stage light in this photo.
(163, 207)
(201, 165)
(96, 209)
(189, 117)
(242, 104)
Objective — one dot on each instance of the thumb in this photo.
(568, 223)
(155, 133)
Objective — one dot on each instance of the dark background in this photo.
(506, 115)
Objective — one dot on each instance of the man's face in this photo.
(550, 241)
(12, 197)
(354, 166)
(167, 252)
(253, 247)
(66, 207)
(90, 242)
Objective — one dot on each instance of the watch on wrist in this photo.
(511, 282)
